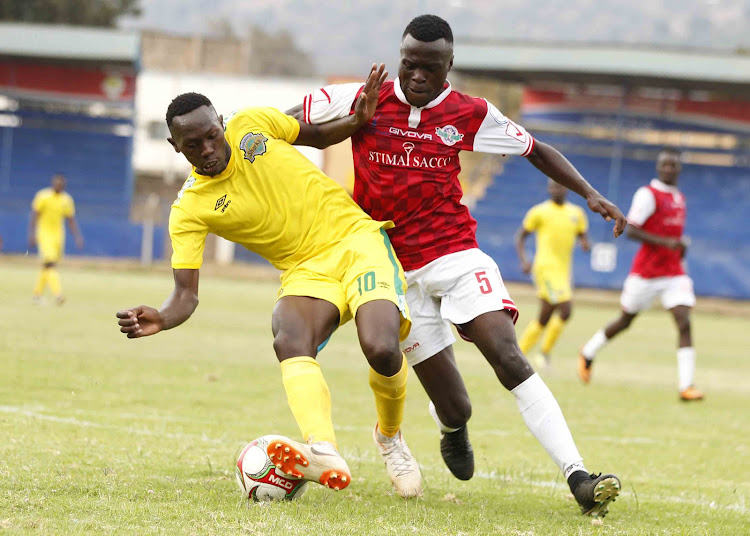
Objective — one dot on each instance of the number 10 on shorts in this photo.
(366, 283)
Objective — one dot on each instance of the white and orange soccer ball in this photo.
(260, 480)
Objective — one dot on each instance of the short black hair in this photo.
(184, 104)
(671, 150)
(429, 28)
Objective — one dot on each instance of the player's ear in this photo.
(450, 65)
(171, 141)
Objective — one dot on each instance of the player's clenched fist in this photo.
(140, 321)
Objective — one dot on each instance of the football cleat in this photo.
(584, 367)
(317, 462)
(457, 453)
(595, 494)
(690, 393)
(401, 466)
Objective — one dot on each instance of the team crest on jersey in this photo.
(449, 135)
(253, 145)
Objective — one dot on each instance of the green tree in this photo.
(76, 12)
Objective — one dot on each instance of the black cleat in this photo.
(595, 494)
(457, 453)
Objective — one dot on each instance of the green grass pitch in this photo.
(104, 435)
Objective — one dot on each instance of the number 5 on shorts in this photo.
(484, 283)
(367, 281)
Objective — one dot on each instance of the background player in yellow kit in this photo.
(250, 186)
(557, 225)
(49, 209)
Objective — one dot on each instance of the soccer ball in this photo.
(260, 480)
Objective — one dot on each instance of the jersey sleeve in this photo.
(643, 206)
(36, 203)
(276, 123)
(499, 135)
(188, 239)
(531, 220)
(70, 207)
(330, 102)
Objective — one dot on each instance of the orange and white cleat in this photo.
(584, 367)
(690, 394)
(317, 462)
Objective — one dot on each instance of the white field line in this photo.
(358, 455)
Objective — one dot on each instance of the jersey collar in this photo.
(437, 100)
(656, 184)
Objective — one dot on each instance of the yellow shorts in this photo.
(552, 286)
(360, 269)
(50, 248)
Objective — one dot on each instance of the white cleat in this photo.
(402, 468)
(317, 462)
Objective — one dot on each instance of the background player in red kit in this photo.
(406, 170)
(657, 219)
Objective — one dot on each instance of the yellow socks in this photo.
(530, 336)
(554, 328)
(390, 396)
(308, 397)
(41, 282)
(53, 280)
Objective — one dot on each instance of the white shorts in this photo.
(455, 288)
(638, 293)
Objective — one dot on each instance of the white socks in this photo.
(685, 366)
(545, 421)
(594, 345)
(443, 428)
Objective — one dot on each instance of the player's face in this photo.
(557, 192)
(668, 167)
(199, 136)
(58, 183)
(423, 69)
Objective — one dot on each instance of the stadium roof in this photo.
(68, 42)
(606, 63)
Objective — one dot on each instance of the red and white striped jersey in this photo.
(406, 162)
(658, 209)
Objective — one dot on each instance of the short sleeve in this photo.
(70, 207)
(499, 135)
(36, 203)
(270, 120)
(330, 102)
(583, 221)
(643, 206)
(188, 239)
(531, 220)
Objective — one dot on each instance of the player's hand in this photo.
(526, 267)
(140, 321)
(364, 110)
(609, 211)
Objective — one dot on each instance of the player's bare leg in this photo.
(378, 324)
(300, 325)
(494, 335)
(598, 340)
(450, 406)
(685, 354)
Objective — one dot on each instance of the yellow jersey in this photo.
(270, 199)
(556, 227)
(52, 208)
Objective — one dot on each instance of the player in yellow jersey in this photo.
(557, 225)
(250, 186)
(50, 208)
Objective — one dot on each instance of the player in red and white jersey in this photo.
(657, 219)
(406, 170)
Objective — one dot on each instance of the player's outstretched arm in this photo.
(552, 163)
(143, 320)
(636, 233)
(326, 134)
